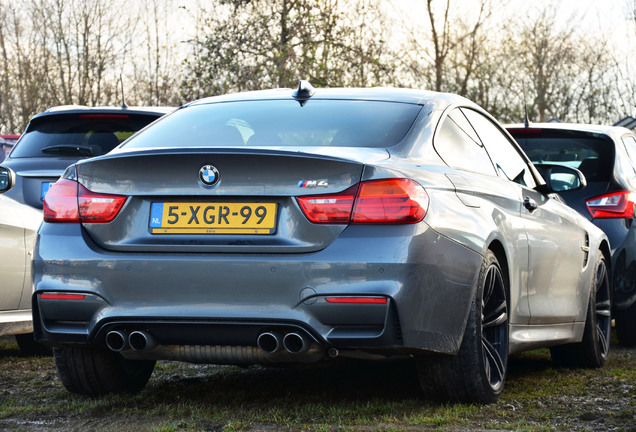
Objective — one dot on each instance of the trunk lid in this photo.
(170, 209)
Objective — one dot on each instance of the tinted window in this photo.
(282, 123)
(78, 135)
(458, 145)
(507, 159)
(591, 154)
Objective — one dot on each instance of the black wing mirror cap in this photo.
(7, 179)
(561, 178)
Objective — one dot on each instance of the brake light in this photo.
(329, 209)
(104, 116)
(69, 201)
(395, 201)
(392, 201)
(614, 205)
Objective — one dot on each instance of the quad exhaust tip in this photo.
(273, 342)
(270, 342)
(295, 343)
(141, 341)
(116, 340)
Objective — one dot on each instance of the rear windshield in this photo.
(83, 135)
(282, 123)
(592, 155)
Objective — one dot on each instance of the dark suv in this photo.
(607, 157)
(61, 136)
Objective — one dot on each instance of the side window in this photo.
(459, 146)
(507, 159)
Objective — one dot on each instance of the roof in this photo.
(386, 94)
(612, 131)
(82, 109)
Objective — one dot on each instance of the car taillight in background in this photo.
(613, 205)
(69, 201)
(391, 201)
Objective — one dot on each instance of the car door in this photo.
(556, 242)
(12, 255)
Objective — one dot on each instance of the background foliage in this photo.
(167, 52)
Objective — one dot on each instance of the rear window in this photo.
(592, 155)
(83, 135)
(282, 123)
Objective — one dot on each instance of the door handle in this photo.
(530, 204)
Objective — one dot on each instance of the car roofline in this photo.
(574, 127)
(81, 109)
(379, 94)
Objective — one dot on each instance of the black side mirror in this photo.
(7, 179)
(560, 178)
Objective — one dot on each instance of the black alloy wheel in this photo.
(478, 372)
(494, 337)
(594, 348)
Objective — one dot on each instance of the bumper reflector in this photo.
(366, 300)
(60, 296)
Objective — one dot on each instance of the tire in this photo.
(594, 348)
(478, 372)
(29, 346)
(96, 371)
(625, 321)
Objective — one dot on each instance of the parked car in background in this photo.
(302, 226)
(52, 140)
(62, 135)
(606, 155)
(18, 226)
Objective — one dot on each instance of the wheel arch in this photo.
(500, 253)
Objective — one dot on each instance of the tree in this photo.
(273, 43)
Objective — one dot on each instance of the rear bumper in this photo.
(424, 283)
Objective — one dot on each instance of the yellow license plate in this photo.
(212, 218)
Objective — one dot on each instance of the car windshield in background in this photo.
(282, 123)
(591, 155)
(82, 135)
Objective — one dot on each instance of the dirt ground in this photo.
(185, 397)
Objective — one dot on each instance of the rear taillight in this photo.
(614, 205)
(392, 201)
(69, 201)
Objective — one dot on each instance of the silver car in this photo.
(18, 227)
(306, 225)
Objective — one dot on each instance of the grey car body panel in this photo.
(211, 287)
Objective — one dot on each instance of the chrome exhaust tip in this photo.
(295, 343)
(141, 341)
(116, 340)
(269, 342)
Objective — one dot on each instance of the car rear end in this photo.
(244, 246)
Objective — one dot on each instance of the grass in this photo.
(346, 397)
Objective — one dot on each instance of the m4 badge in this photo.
(313, 183)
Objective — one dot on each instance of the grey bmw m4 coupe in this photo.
(307, 225)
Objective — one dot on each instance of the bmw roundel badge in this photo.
(209, 175)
